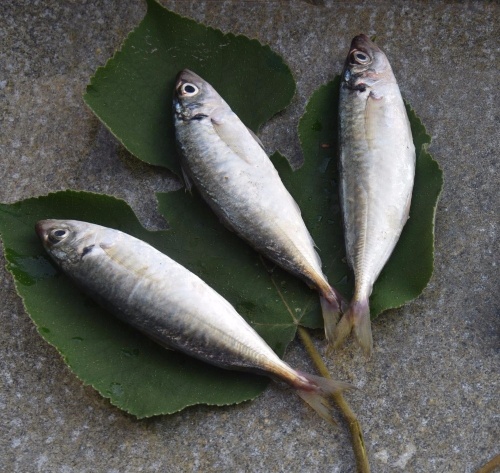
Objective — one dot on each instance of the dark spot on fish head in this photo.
(87, 250)
(199, 116)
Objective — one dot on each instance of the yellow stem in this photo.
(358, 443)
(492, 465)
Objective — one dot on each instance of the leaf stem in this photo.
(491, 466)
(357, 440)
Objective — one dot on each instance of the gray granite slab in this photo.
(429, 399)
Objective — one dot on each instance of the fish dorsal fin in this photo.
(236, 135)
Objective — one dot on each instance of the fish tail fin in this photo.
(356, 319)
(332, 305)
(314, 390)
(363, 330)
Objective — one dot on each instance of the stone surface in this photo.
(429, 399)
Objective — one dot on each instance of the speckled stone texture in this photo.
(429, 399)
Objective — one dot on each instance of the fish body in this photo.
(156, 295)
(234, 175)
(377, 168)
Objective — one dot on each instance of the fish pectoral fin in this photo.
(375, 96)
(235, 134)
(374, 115)
(219, 121)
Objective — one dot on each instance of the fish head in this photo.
(365, 66)
(194, 97)
(66, 241)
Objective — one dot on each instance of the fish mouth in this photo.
(187, 75)
(360, 41)
(363, 43)
(42, 229)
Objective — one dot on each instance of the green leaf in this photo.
(315, 187)
(133, 93)
(141, 377)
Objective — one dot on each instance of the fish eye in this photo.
(188, 89)
(58, 234)
(361, 58)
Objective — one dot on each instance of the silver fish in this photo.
(227, 164)
(174, 307)
(377, 169)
